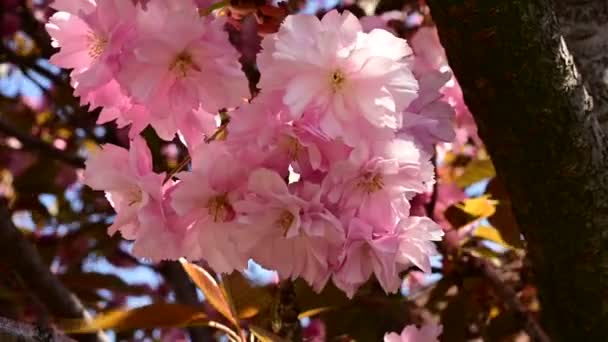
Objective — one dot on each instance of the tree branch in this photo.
(535, 118)
(509, 297)
(185, 293)
(17, 252)
(584, 24)
(31, 143)
(11, 331)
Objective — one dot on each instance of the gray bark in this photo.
(584, 24)
(535, 117)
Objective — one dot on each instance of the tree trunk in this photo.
(534, 115)
(584, 24)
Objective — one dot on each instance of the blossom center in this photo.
(371, 182)
(292, 147)
(182, 64)
(134, 196)
(220, 209)
(337, 80)
(285, 221)
(96, 44)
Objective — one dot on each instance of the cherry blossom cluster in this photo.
(411, 333)
(313, 177)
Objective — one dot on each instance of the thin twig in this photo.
(33, 144)
(23, 258)
(177, 169)
(11, 331)
(10, 56)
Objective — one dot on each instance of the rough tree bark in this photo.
(534, 115)
(584, 24)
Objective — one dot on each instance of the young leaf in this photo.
(491, 234)
(480, 207)
(476, 171)
(213, 293)
(249, 300)
(146, 317)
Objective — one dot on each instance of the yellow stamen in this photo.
(96, 44)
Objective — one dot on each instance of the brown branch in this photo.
(7, 55)
(534, 115)
(185, 293)
(509, 297)
(33, 144)
(11, 331)
(285, 322)
(25, 261)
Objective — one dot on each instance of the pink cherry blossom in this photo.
(262, 133)
(368, 250)
(288, 229)
(91, 40)
(181, 61)
(426, 333)
(312, 178)
(375, 182)
(330, 64)
(136, 193)
(74, 6)
(416, 236)
(208, 194)
(428, 50)
(429, 119)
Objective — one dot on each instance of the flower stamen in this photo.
(96, 44)
(371, 182)
(337, 80)
(135, 196)
(292, 147)
(220, 209)
(285, 221)
(182, 64)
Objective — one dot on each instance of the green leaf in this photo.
(151, 316)
(475, 171)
